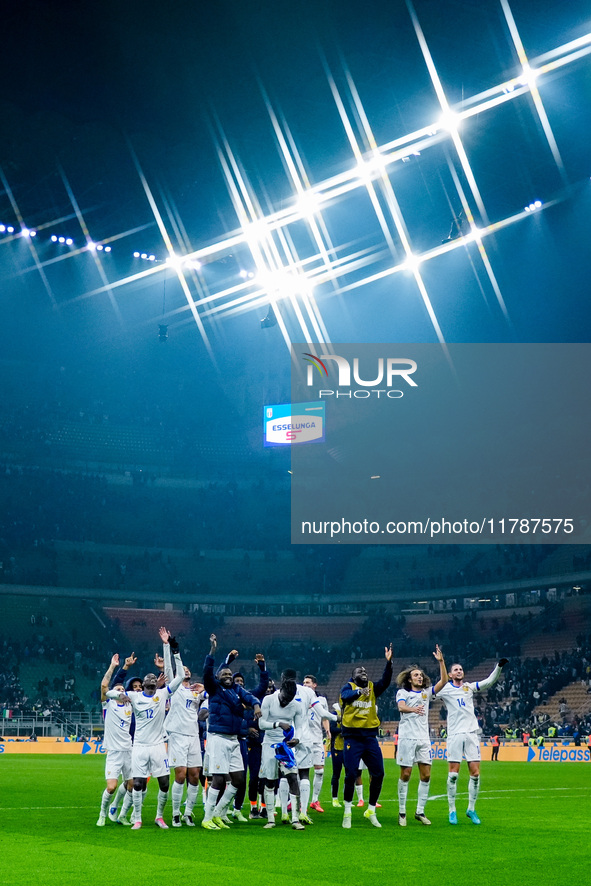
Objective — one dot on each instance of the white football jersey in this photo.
(415, 725)
(459, 701)
(294, 713)
(117, 722)
(318, 707)
(307, 697)
(184, 708)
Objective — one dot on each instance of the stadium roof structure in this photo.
(398, 171)
(184, 192)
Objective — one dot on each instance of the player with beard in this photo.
(360, 724)
(227, 701)
(149, 755)
(462, 734)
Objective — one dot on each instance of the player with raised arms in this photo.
(414, 741)
(184, 746)
(117, 742)
(462, 734)
(149, 755)
(227, 701)
(360, 724)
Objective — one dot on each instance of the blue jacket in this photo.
(226, 706)
(249, 721)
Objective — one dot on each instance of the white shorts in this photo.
(118, 763)
(149, 759)
(318, 753)
(184, 750)
(303, 755)
(223, 754)
(413, 750)
(271, 768)
(464, 744)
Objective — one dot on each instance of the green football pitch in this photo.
(535, 829)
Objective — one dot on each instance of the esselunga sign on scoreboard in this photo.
(289, 423)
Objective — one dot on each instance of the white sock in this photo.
(105, 801)
(138, 799)
(127, 801)
(473, 788)
(359, 791)
(402, 795)
(191, 798)
(269, 795)
(294, 807)
(283, 794)
(318, 779)
(423, 796)
(177, 797)
(304, 795)
(119, 794)
(348, 805)
(162, 798)
(222, 806)
(452, 787)
(212, 798)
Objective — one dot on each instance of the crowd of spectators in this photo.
(511, 563)
(42, 509)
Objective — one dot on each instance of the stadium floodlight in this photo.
(25, 232)
(32, 233)
(144, 255)
(308, 204)
(61, 239)
(151, 258)
(69, 241)
(283, 283)
(136, 255)
(100, 247)
(412, 263)
(107, 248)
(529, 76)
(368, 169)
(256, 233)
(449, 120)
(91, 246)
(2, 228)
(53, 238)
(10, 229)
